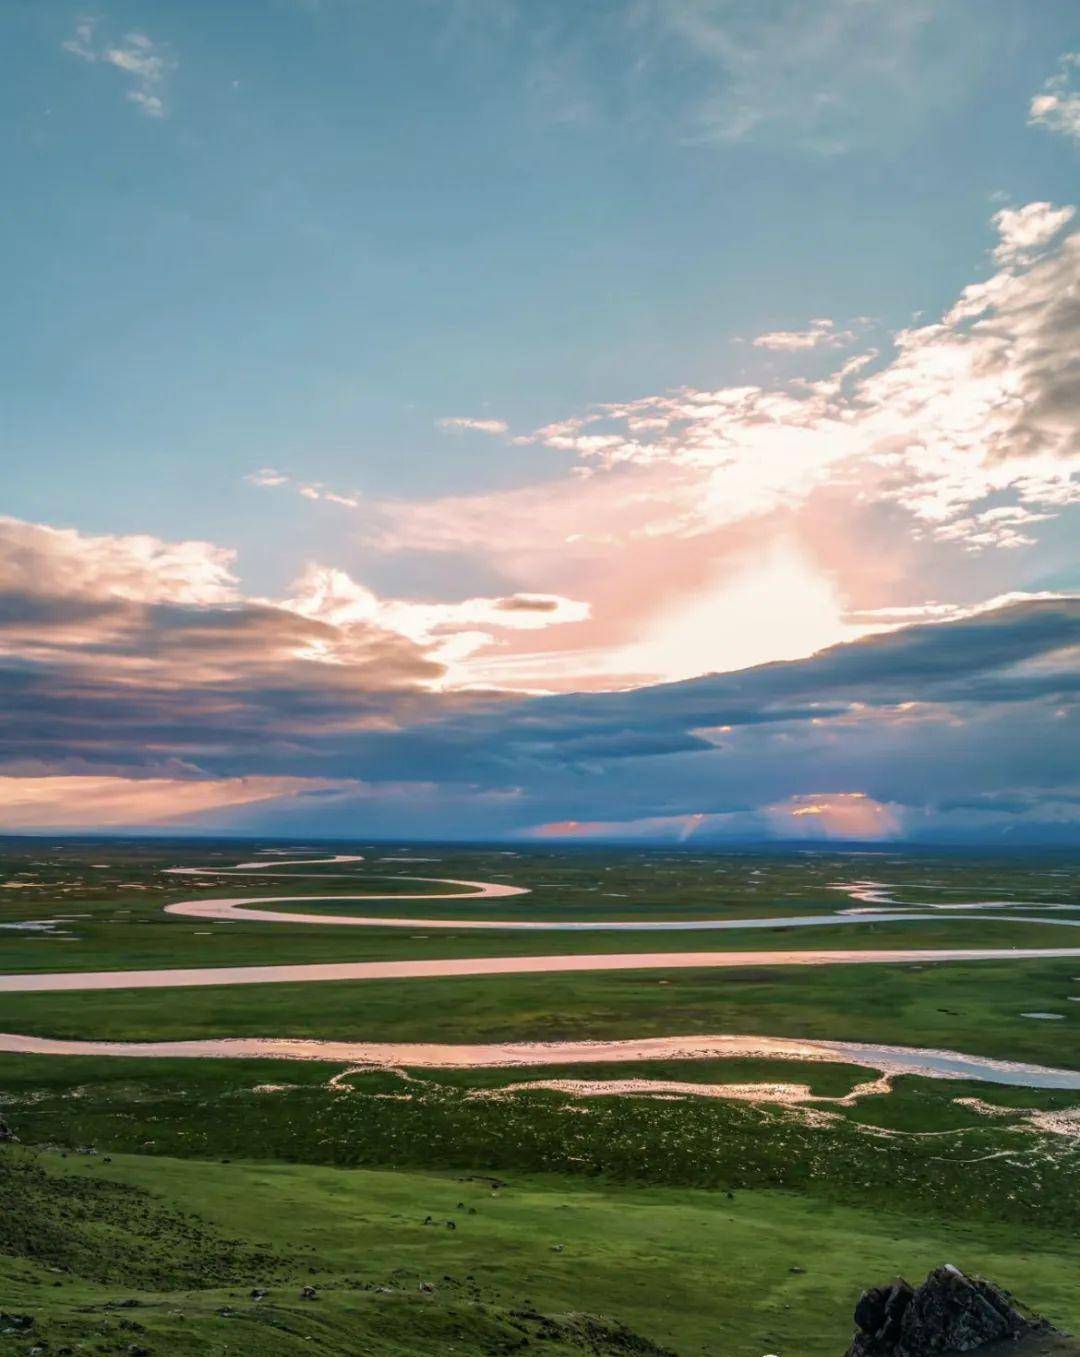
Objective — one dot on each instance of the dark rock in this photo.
(950, 1312)
(15, 1323)
(308, 1293)
(7, 1135)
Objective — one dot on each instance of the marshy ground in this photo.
(599, 1189)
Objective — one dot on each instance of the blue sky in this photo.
(522, 348)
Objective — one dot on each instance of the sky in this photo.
(650, 420)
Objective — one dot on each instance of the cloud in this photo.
(1025, 231)
(847, 816)
(917, 720)
(82, 802)
(36, 559)
(835, 815)
(451, 633)
(1057, 106)
(826, 502)
(268, 477)
(978, 404)
(821, 333)
(650, 828)
(144, 62)
(1016, 653)
(124, 653)
(459, 422)
(826, 78)
(130, 600)
(100, 633)
(922, 720)
(823, 499)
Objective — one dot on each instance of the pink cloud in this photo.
(74, 802)
(834, 815)
(820, 334)
(959, 445)
(677, 828)
(41, 560)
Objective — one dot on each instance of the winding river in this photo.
(888, 1060)
(239, 908)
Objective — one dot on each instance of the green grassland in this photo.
(108, 900)
(917, 1147)
(699, 1272)
(607, 1225)
(974, 1007)
(150, 940)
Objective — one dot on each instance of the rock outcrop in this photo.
(949, 1313)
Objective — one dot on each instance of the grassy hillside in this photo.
(698, 1272)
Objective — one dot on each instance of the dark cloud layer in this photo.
(963, 726)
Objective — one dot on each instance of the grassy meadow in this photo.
(182, 1206)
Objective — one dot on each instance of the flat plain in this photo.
(703, 1205)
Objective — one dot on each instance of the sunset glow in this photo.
(634, 436)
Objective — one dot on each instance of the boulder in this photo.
(949, 1312)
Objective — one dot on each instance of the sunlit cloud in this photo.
(121, 608)
(1057, 105)
(945, 713)
(977, 404)
(37, 559)
(450, 633)
(962, 439)
(136, 55)
(665, 828)
(64, 802)
(836, 815)
(270, 478)
(459, 422)
(822, 591)
(774, 608)
(1025, 231)
(820, 334)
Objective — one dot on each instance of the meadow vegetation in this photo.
(201, 1206)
